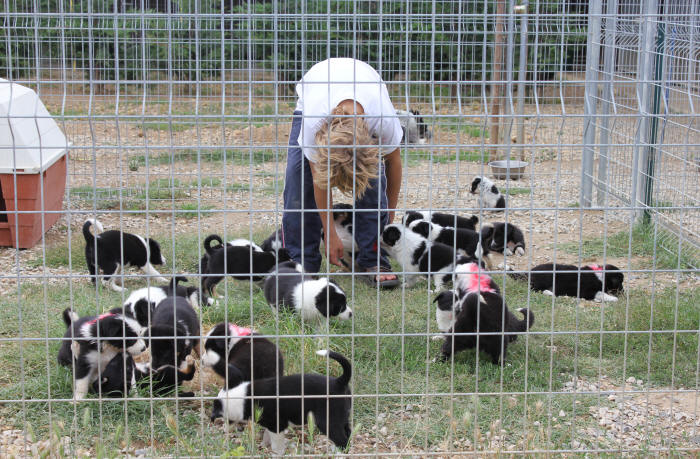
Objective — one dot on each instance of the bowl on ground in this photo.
(510, 168)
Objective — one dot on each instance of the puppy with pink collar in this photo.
(230, 349)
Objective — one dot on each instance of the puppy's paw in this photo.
(437, 338)
(505, 267)
(520, 251)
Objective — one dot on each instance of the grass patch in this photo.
(457, 124)
(640, 242)
(515, 191)
(415, 158)
(231, 156)
(395, 361)
(206, 181)
(192, 210)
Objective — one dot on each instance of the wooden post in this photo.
(497, 79)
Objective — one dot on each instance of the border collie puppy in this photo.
(442, 219)
(489, 196)
(448, 306)
(464, 240)
(501, 236)
(142, 302)
(274, 243)
(121, 374)
(415, 129)
(301, 396)
(137, 251)
(484, 311)
(174, 333)
(595, 282)
(95, 341)
(235, 260)
(247, 353)
(417, 254)
(312, 298)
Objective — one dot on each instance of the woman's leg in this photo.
(300, 206)
(369, 224)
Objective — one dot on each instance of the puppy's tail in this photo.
(69, 317)
(527, 322)
(209, 239)
(89, 238)
(343, 379)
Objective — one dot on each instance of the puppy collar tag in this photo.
(238, 331)
(100, 317)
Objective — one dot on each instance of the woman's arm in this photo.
(324, 200)
(392, 163)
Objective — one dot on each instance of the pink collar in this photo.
(100, 317)
(239, 331)
(476, 281)
(596, 267)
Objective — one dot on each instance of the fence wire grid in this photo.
(172, 122)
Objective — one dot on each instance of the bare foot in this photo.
(385, 277)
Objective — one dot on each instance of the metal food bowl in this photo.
(503, 170)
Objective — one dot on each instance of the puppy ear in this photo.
(391, 235)
(494, 189)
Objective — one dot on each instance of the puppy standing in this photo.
(464, 240)
(113, 246)
(489, 196)
(442, 219)
(415, 130)
(229, 349)
(419, 255)
(174, 333)
(289, 400)
(95, 342)
(312, 298)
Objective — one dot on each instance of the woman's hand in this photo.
(334, 246)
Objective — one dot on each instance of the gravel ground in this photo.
(548, 216)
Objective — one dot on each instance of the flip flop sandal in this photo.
(370, 278)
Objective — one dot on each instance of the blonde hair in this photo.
(340, 163)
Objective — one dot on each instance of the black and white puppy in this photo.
(416, 254)
(235, 260)
(415, 129)
(592, 282)
(137, 251)
(489, 196)
(174, 333)
(312, 298)
(482, 309)
(289, 400)
(275, 243)
(465, 241)
(448, 306)
(95, 341)
(499, 237)
(121, 374)
(442, 219)
(228, 345)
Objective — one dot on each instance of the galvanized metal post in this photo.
(590, 99)
(607, 98)
(522, 76)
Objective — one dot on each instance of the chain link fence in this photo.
(177, 116)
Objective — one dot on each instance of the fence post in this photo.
(590, 99)
(607, 97)
(522, 76)
(645, 75)
(648, 189)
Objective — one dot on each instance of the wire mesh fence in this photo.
(178, 116)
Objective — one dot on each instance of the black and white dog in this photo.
(142, 302)
(94, 342)
(442, 219)
(481, 309)
(415, 129)
(419, 255)
(448, 306)
(275, 243)
(289, 400)
(235, 260)
(137, 251)
(489, 196)
(312, 298)
(121, 374)
(174, 333)
(592, 282)
(501, 236)
(227, 345)
(465, 241)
